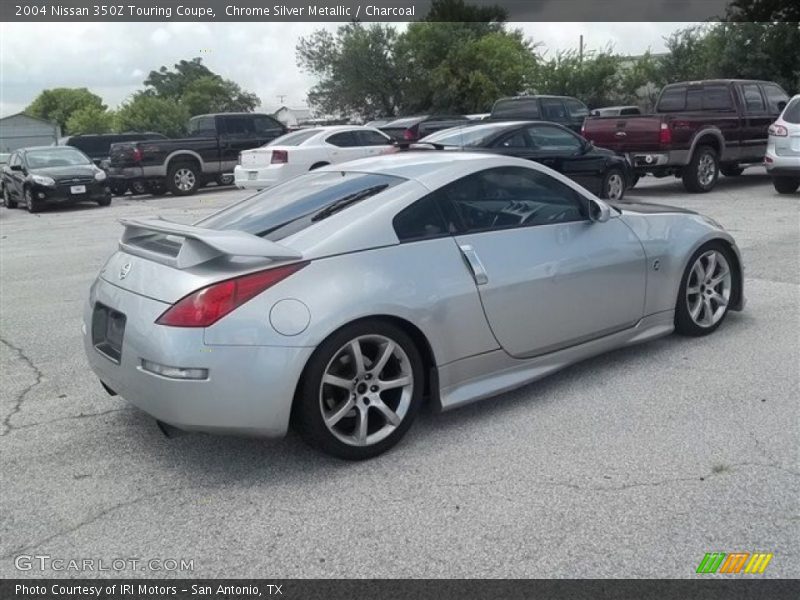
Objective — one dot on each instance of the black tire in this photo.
(731, 170)
(684, 324)
(184, 178)
(613, 185)
(318, 165)
(307, 414)
(7, 201)
(119, 189)
(105, 201)
(786, 185)
(225, 179)
(634, 180)
(693, 181)
(138, 187)
(31, 203)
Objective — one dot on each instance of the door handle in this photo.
(474, 263)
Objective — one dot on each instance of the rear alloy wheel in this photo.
(702, 172)
(119, 189)
(7, 201)
(361, 391)
(33, 205)
(706, 291)
(106, 201)
(786, 185)
(613, 185)
(225, 179)
(183, 179)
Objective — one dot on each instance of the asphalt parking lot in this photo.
(633, 464)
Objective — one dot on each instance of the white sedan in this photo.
(301, 151)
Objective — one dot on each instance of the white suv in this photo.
(783, 149)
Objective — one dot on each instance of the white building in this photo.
(293, 117)
(21, 130)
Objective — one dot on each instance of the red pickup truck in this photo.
(699, 130)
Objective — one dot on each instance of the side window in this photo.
(717, 97)
(576, 108)
(509, 197)
(553, 109)
(345, 139)
(630, 111)
(14, 159)
(202, 126)
(672, 99)
(515, 140)
(264, 125)
(239, 126)
(753, 101)
(421, 220)
(372, 138)
(554, 139)
(774, 95)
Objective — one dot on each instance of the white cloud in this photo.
(112, 59)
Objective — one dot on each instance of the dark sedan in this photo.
(406, 130)
(600, 171)
(36, 177)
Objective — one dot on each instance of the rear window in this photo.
(528, 107)
(288, 208)
(792, 112)
(295, 138)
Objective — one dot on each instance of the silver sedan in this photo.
(342, 300)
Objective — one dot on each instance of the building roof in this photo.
(27, 116)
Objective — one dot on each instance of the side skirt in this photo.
(478, 377)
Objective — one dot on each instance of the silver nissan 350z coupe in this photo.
(340, 300)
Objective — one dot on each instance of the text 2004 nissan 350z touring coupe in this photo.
(338, 300)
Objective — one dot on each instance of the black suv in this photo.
(565, 110)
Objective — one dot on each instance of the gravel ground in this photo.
(633, 464)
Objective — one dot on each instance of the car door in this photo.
(344, 146)
(548, 276)
(374, 142)
(756, 120)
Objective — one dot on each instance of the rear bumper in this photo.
(645, 161)
(259, 178)
(248, 389)
(782, 165)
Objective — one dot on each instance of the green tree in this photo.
(90, 119)
(147, 112)
(356, 69)
(201, 90)
(58, 104)
(593, 78)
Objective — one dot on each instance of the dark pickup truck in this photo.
(699, 130)
(181, 166)
(564, 110)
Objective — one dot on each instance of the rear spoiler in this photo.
(199, 244)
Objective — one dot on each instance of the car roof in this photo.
(430, 168)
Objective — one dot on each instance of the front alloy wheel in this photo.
(705, 292)
(361, 391)
(614, 185)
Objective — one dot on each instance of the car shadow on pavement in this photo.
(227, 460)
(670, 184)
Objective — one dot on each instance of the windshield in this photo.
(295, 138)
(55, 157)
(474, 136)
(284, 210)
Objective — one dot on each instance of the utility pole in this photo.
(580, 51)
(280, 97)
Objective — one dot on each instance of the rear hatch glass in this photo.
(516, 107)
(288, 208)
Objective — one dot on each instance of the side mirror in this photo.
(599, 212)
(15, 167)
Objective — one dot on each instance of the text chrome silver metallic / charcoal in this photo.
(341, 300)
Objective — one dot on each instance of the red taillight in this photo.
(279, 157)
(208, 305)
(778, 130)
(665, 134)
(408, 134)
(137, 155)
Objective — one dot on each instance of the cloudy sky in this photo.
(112, 59)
